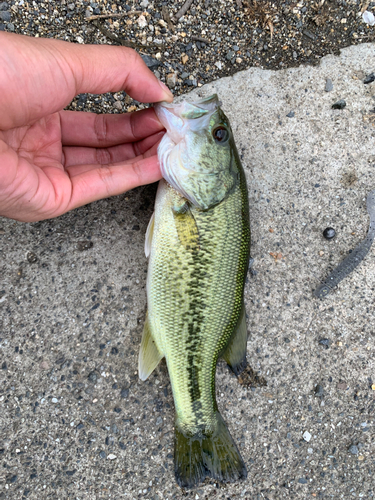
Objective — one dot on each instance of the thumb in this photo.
(42, 76)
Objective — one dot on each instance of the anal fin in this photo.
(149, 354)
(235, 353)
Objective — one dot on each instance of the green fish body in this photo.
(198, 243)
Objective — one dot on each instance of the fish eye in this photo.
(220, 134)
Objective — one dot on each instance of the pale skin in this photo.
(51, 160)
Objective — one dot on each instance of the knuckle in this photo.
(100, 128)
(103, 156)
(105, 177)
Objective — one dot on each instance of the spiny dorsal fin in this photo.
(149, 354)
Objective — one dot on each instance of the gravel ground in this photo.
(213, 39)
(75, 421)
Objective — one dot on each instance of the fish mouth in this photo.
(181, 165)
(181, 117)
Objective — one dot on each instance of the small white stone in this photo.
(219, 64)
(111, 456)
(54, 400)
(306, 436)
(368, 18)
(142, 21)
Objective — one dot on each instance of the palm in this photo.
(52, 161)
(39, 160)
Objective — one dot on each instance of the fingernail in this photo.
(169, 95)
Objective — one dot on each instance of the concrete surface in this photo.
(75, 421)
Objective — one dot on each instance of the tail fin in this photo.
(216, 456)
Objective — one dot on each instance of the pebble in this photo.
(368, 17)
(31, 257)
(5, 16)
(339, 104)
(309, 34)
(353, 449)
(290, 114)
(369, 78)
(325, 342)
(111, 456)
(84, 245)
(54, 400)
(118, 105)
(306, 436)
(319, 391)
(151, 62)
(93, 376)
(172, 80)
(124, 393)
(184, 58)
(142, 23)
(329, 85)
(329, 233)
(4, 6)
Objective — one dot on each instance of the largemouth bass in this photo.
(198, 243)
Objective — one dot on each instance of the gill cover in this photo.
(196, 153)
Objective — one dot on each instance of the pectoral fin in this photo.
(187, 229)
(149, 234)
(235, 353)
(149, 354)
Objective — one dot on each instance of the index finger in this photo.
(98, 131)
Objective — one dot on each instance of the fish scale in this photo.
(218, 306)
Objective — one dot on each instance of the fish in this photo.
(198, 244)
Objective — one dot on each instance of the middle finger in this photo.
(104, 156)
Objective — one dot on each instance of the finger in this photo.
(41, 76)
(90, 129)
(102, 182)
(75, 170)
(104, 156)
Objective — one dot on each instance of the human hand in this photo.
(52, 161)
